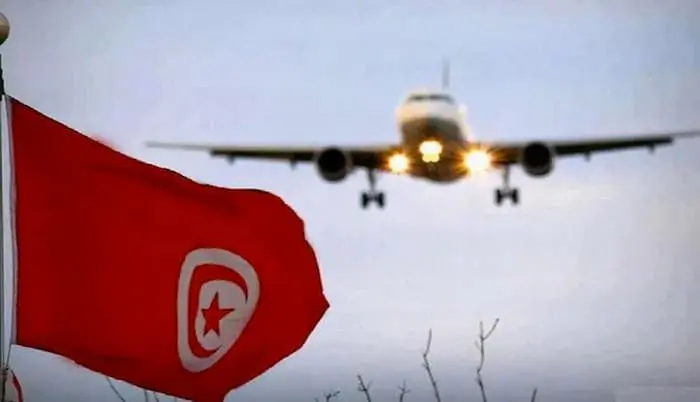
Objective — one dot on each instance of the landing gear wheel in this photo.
(515, 196)
(379, 197)
(498, 197)
(365, 200)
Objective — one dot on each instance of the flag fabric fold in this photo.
(141, 274)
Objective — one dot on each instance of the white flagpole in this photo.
(4, 33)
(2, 247)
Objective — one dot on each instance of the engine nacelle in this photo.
(333, 164)
(537, 159)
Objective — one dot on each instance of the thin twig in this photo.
(403, 390)
(155, 396)
(329, 396)
(480, 346)
(364, 388)
(534, 395)
(116, 391)
(428, 369)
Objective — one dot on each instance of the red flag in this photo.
(143, 275)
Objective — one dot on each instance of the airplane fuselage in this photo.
(433, 117)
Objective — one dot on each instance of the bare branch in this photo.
(403, 390)
(482, 353)
(479, 344)
(534, 395)
(329, 396)
(428, 369)
(493, 328)
(364, 388)
(116, 391)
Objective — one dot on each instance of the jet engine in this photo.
(333, 164)
(537, 159)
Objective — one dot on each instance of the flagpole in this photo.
(4, 34)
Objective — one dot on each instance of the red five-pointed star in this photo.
(213, 315)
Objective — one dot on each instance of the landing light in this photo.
(430, 147)
(431, 158)
(398, 163)
(430, 151)
(477, 160)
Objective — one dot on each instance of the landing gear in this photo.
(502, 194)
(372, 195)
(506, 191)
(366, 198)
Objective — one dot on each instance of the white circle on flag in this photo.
(223, 306)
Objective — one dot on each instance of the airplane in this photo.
(437, 145)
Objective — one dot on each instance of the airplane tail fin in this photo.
(445, 73)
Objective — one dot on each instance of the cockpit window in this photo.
(431, 97)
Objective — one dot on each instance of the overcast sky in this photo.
(595, 276)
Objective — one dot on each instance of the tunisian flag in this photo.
(141, 274)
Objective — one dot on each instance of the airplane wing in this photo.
(508, 153)
(372, 157)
